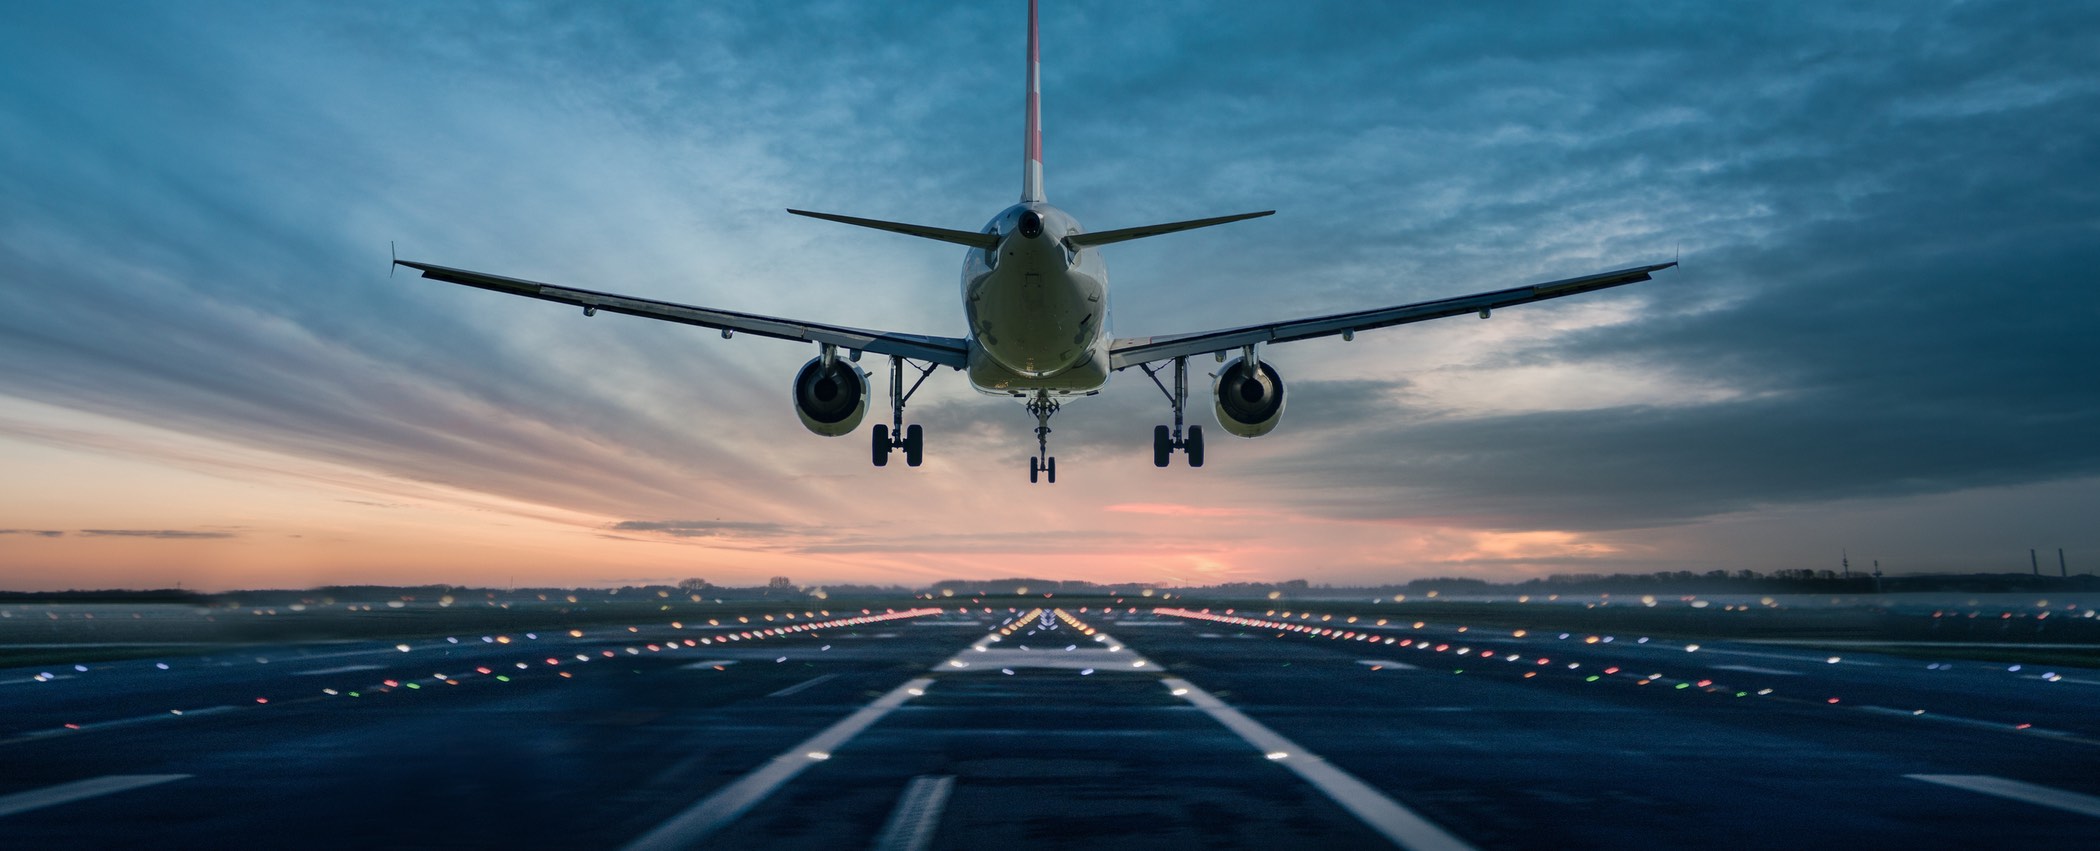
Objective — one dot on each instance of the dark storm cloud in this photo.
(158, 534)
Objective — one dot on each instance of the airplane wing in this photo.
(1131, 351)
(946, 351)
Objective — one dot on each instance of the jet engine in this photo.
(1249, 401)
(831, 400)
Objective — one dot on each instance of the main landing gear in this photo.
(1042, 465)
(1165, 442)
(911, 439)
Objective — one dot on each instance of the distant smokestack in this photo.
(2060, 569)
(2031, 562)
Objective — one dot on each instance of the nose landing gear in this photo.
(911, 439)
(1042, 465)
(1164, 442)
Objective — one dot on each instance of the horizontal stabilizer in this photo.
(959, 237)
(1087, 240)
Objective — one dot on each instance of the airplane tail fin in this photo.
(1032, 145)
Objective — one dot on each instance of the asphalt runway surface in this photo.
(1154, 730)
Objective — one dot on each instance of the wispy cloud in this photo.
(40, 533)
(161, 534)
(708, 528)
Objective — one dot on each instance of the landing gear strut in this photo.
(1164, 442)
(1042, 406)
(897, 435)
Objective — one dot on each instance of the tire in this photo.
(1195, 447)
(882, 445)
(914, 445)
(1050, 469)
(1162, 448)
(1034, 470)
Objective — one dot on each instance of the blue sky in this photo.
(1881, 339)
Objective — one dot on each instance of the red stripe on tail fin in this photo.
(1032, 146)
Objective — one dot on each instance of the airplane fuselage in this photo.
(1037, 308)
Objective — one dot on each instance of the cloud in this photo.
(1887, 215)
(41, 533)
(708, 528)
(160, 534)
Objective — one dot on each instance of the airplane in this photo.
(1035, 300)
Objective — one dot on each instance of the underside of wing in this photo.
(1131, 351)
(946, 351)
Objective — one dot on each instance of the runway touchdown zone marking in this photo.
(2085, 805)
(805, 685)
(911, 825)
(1385, 815)
(686, 829)
(66, 793)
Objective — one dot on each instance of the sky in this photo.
(1881, 342)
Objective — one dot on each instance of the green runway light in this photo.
(502, 678)
(415, 685)
(1742, 694)
(355, 694)
(1591, 678)
(1684, 685)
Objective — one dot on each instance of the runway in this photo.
(1058, 727)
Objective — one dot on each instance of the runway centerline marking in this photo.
(911, 825)
(805, 685)
(2085, 805)
(1386, 664)
(337, 670)
(1753, 669)
(712, 813)
(1396, 823)
(66, 793)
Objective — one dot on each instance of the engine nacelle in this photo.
(1249, 402)
(831, 401)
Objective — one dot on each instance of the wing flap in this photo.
(946, 351)
(1132, 351)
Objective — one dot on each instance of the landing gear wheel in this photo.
(1050, 469)
(1035, 469)
(1194, 446)
(882, 445)
(914, 445)
(1162, 446)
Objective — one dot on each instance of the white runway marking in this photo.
(1819, 660)
(686, 829)
(339, 670)
(804, 685)
(66, 793)
(708, 664)
(2085, 805)
(1753, 669)
(36, 680)
(1101, 653)
(1385, 815)
(1386, 664)
(918, 810)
